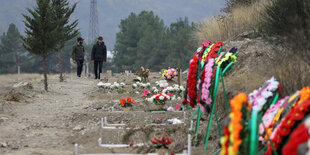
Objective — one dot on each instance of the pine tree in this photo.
(41, 32)
(66, 30)
(179, 43)
(140, 42)
(11, 47)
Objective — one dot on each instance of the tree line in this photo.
(144, 40)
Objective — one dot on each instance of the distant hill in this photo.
(112, 11)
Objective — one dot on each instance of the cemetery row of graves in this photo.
(262, 122)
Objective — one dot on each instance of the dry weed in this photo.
(293, 75)
(243, 18)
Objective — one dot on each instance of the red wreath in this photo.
(191, 80)
(295, 114)
(298, 136)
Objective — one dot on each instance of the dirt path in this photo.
(42, 125)
(50, 123)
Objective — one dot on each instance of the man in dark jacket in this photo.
(99, 56)
(78, 55)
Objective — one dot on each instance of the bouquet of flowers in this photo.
(170, 73)
(161, 84)
(143, 85)
(146, 93)
(159, 99)
(109, 86)
(176, 89)
(161, 142)
(127, 102)
(154, 90)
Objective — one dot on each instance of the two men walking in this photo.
(98, 56)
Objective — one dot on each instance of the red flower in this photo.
(299, 135)
(288, 122)
(192, 78)
(284, 131)
(298, 115)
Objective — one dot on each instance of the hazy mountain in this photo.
(110, 13)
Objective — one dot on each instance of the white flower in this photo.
(134, 86)
(150, 99)
(182, 88)
(199, 49)
(168, 97)
(143, 85)
(179, 98)
(174, 121)
(148, 84)
(161, 98)
(100, 84)
(173, 98)
(116, 85)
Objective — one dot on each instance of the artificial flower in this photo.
(205, 93)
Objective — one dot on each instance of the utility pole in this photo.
(93, 31)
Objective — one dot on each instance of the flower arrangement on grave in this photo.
(176, 89)
(205, 98)
(297, 138)
(143, 73)
(235, 138)
(225, 58)
(154, 90)
(170, 73)
(159, 99)
(141, 85)
(109, 86)
(159, 121)
(261, 97)
(146, 93)
(202, 72)
(270, 117)
(127, 103)
(161, 84)
(283, 129)
(161, 142)
(290, 121)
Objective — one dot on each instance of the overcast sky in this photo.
(110, 13)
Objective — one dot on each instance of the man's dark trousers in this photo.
(79, 67)
(98, 65)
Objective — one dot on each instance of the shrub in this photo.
(283, 16)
